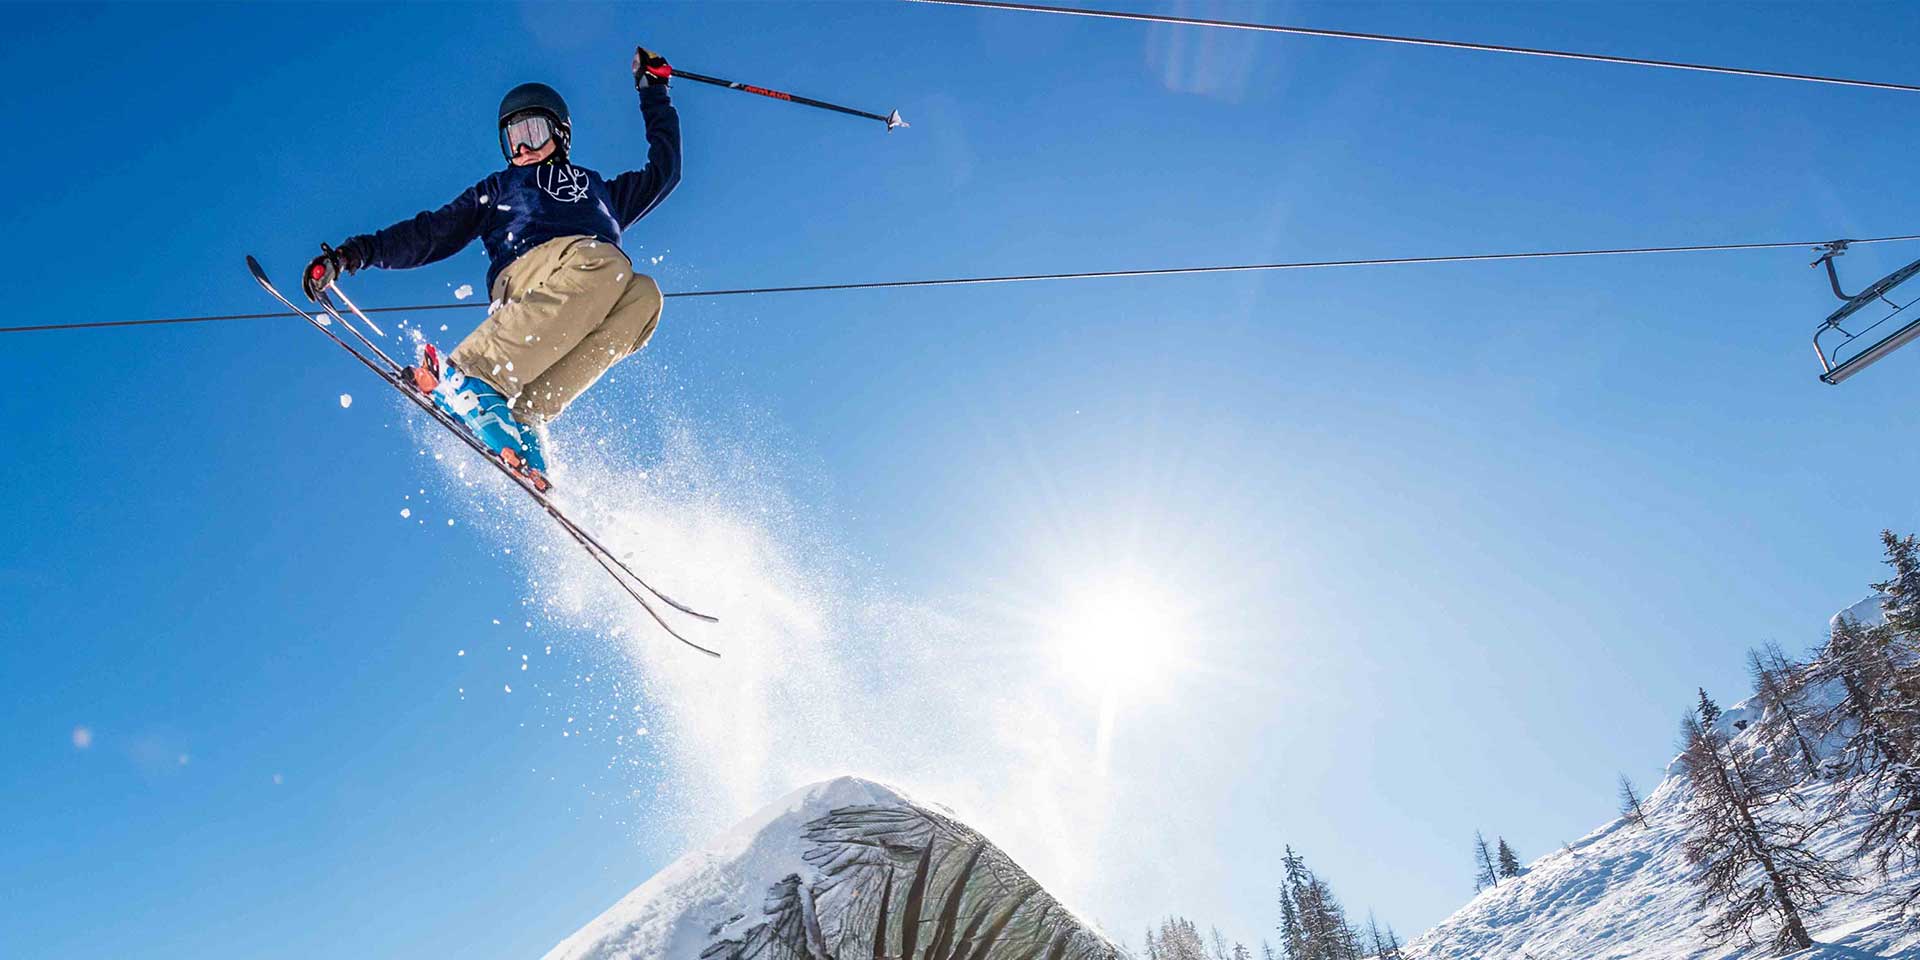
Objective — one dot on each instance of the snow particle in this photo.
(346, 400)
(82, 737)
(461, 292)
(278, 779)
(405, 513)
(461, 654)
(449, 521)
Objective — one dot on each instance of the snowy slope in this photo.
(1627, 891)
(818, 872)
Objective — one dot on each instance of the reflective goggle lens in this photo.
(532, 130)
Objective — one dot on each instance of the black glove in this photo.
(326, 268)
(650, 69)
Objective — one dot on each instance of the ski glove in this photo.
(326, 268)
(650, 69)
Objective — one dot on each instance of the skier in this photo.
(566, 302)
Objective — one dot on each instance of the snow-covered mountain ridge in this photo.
(1627, 891)
(843, 868)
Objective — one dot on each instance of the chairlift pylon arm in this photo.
(1834, 249)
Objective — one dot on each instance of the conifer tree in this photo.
(1776, 683)
(1902, 604)
(1756, 866)
(1266, 951)
(1180, 940)
(1709, 711)
(1381, 946)
(1630, 803)
(1484, 873)
(1313, 925)
(1509, 863)
(1293, 934)
(1877, 716)
(1393, 945)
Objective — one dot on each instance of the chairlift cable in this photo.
(1423, 42)
(1037, 277)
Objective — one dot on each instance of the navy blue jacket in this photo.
(520, 208)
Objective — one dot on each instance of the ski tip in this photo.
(253, 267)
(893, 121)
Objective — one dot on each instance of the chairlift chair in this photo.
(1838, 361)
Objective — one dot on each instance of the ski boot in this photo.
(483, 411)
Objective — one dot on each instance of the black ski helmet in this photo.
(537, 96)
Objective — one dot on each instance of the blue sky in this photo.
(1436, 549)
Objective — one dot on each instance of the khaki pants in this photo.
(566, 311)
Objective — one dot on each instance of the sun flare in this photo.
(1118, 635)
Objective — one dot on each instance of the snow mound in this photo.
(1627, 891)
(823, 872)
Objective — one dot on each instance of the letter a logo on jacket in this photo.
(563, 182)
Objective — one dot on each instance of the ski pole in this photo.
(892, 120)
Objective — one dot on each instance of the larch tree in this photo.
(1777, 684)
(1484, 873)
(1876, 716)
(1756, 865)
(1393, 945)
(1630, 807)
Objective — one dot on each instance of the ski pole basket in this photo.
(1847, 350)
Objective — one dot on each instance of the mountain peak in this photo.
(843, 867)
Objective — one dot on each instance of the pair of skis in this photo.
(395, 376)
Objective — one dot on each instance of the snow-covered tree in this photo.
(1630, 803)
(1313, 925)
(1756, 865)
(1509, 863)
(1876, 716)
(1902, 592)
(1484, 873)
(1179, 939)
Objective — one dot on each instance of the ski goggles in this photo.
(530, 130)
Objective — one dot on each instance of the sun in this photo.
(1118, 635)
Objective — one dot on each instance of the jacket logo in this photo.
(562, 181)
